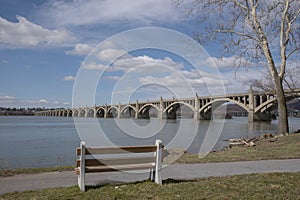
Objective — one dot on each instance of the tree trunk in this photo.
(283, 125)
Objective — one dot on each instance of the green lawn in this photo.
(287, 147)
(254, 186)
(12, 172)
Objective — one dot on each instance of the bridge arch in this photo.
(145, 111)
(64, 113)
(90, 112)
(205, 111)
(266, 104)
(69, 113)
(171, 110)
(112, 112)
(61, 113)
(100, 112)
(76, 113)
(82, 113)
(128, 111)
(224, 101)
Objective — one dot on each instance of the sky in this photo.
(46, 45)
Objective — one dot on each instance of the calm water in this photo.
(27, 142)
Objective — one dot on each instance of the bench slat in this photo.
(116, 161)
(118, 150)
(117, 168)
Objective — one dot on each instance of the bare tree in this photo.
(290, 81)
(262, 31)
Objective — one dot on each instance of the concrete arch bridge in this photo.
(258, 105)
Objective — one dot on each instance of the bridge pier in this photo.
(196, 115)
(251, 116)
(251, 105)
(119, 111)
(197, 108)
(161, 115)
(161, 109)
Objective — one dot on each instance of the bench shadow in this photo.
(172, 181)
(116, 183)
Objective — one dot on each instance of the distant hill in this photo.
(294, 105)
(18, 111)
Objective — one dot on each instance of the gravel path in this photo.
(181, 171)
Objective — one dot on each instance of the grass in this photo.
(254, 186)
(286, 147)
(12, 172)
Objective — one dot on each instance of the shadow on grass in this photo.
(116, 183)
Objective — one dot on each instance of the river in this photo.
(33, 142)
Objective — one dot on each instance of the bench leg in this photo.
(157, 174)
(157, 171)
(81, 181)
(152, 174)
(81, 176)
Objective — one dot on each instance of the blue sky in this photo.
(44, 42)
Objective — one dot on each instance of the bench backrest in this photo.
(112, 161)
(130, 160)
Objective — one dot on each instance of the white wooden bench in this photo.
(124, 158)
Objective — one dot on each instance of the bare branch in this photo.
(240, 5)
(237, 33)
(284, 37)
(295, 17)
(293, 51)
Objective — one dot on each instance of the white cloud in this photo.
(93, 66)
(113, 77)
(178, 78)
(127, 64)
(69, 78)
(192, 74)
(177, 81)
(229, 62)
(167, 81)
(80, 49)
(110, 54)
(43, 101)
(82, 12)
(56, 102)
(7, 97)
(27, 34)
(241, 79)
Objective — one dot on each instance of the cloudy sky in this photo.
(44, 46)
